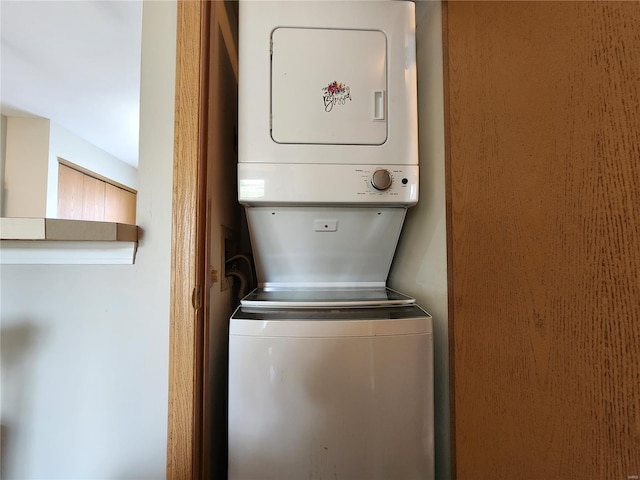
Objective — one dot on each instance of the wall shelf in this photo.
(40, 241)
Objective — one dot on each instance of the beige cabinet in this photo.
(84, 197)
(119, 205)
(93, 196)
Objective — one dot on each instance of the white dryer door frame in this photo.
(328, 86)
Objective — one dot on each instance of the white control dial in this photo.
(381, 180)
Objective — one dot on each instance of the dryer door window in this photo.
(328, 86)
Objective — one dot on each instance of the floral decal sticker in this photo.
(335, 93)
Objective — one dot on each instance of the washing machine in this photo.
(329, 393)
(330, 371)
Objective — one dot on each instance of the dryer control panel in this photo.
(340, 184)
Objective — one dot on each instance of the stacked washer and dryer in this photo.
(330, 371)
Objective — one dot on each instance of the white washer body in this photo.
(324, 394)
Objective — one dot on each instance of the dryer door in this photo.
(328, 86)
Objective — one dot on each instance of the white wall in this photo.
(85, 348)
(3, 155)
(420, 264)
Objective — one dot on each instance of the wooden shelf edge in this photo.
(51, 241)
(66, 230)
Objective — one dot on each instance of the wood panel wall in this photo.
(543, 159)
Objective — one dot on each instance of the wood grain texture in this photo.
(184, 442)
(70, 193)
(543, 119)
(82, 196)
(93, 197)
(119, 205)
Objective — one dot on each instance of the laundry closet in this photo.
(357, 243)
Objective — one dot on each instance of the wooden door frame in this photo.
(449, 234)
(187, 342)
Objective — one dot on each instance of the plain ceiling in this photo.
(76, 63)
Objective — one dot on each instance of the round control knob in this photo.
(381, 179)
